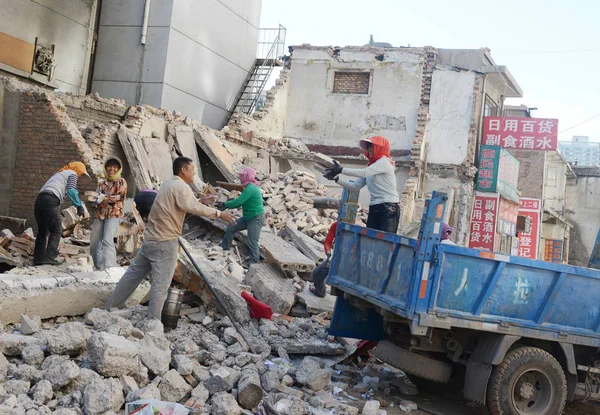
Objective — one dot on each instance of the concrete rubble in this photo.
(95, 363)
(60, 352)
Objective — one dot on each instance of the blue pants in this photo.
(254, 226)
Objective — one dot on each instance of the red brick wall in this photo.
(47, 140)
(351, 82)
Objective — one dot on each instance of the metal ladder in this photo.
(254, 84)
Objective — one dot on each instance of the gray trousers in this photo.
(254, 226)
(160, 258)
(102, 243)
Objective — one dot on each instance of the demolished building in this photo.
(428, 102)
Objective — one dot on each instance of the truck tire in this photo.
(413, 363)
(529, 381)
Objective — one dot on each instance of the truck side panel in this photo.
(532, 294)
(374, 266)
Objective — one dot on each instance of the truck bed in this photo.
(468, 288)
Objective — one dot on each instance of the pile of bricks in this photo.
(289, 202)
(16, 250)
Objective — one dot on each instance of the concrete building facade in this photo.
(195, 58)
(67, 27)
(580, 151)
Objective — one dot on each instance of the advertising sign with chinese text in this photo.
(553, 250)
(521, 133)
(507, 217)
(483, 222)
(529, 242)
(498, 172)
(489, 163)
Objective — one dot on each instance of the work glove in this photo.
(99, 199)
(333, 171)
(220, 206)
(328, 257)
(80, 211)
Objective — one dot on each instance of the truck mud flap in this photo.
(490, 351)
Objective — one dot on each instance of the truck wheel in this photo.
(413, 363)
(529, 381)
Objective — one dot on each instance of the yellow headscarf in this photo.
(78, 167)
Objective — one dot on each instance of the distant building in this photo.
(517, 111)
(580, 151)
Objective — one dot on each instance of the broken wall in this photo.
(450, 112)
(44, 140)
(323, 118)
(581, 199)
(531, 172)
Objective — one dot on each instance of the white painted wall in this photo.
(318, 116)
(66, 24)
(450, 109)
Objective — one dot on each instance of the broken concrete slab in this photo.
(271, 287)
(157, 150)
(214, 149)
(30, 325)
(310, 346)
(136, 158)
(13, 344)
(185, 143)
(155, 353)
(103, 395)
(62, 374)
(224, 403)
(277, 251)
(57, 294)
(310, 373)
(70, 338)
(307, 245)
(112, 355)
(316, 305)
(173, 388)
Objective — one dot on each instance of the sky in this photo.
(551, 47)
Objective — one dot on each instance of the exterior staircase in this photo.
(270, 51)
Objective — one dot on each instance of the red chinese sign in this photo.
(528, 242)
(553, 250)
(483, 222)
(521, 133)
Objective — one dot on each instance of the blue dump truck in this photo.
(518, 335)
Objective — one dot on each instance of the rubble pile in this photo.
(18, 250)
(289, 202)
(96, 364)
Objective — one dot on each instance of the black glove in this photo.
(80, 210)
(332, 172)
(220, 206)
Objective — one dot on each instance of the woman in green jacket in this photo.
(253, 214)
